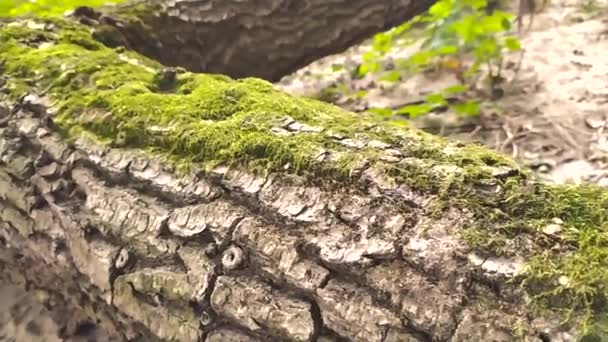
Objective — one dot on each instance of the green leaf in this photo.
(401, 29)
(383, 42)
(441, 9)
(447, 49)
(421, 57)
(391, 76)
(493, 23)
(512, 43)
(506, 24)
(466, 28)
(415, 111)
(436, 99)
(468, 108)
(456, 89)
(487, 49)
(381, 111)
(367, 67)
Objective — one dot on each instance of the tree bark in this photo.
(106, 231)
(127, 246)
(266, 38)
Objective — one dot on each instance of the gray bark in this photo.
(109, 237)
(265, 38)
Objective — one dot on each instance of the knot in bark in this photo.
(206, 318)
(232, 257)
(121, 259)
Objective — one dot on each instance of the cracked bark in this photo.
(267, 39)
(122, 244)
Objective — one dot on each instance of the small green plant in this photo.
(453, 31)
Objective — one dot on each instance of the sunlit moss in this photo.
(13, 8)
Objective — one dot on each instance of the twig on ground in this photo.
(507, 141)
(475, 131)
(564, 133)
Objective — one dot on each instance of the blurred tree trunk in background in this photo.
(263, 38)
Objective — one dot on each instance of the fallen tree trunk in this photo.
(267, 39)
(159, 204)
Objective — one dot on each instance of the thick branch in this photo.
(267, 38)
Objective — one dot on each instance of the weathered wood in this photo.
(265, 38)
(354, 230)
(231, 254)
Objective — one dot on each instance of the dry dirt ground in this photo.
(554, 111)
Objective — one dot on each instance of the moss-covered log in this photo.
(267, 39)
(154, 203)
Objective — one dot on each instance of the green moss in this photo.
(13, 8)
(189, 119)
(567, 270)
(582, 255)
(206, 118)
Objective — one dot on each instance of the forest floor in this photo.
(553, 116)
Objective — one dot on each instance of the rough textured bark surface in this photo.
(237, 257)
(355, 230)
(263, 38)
